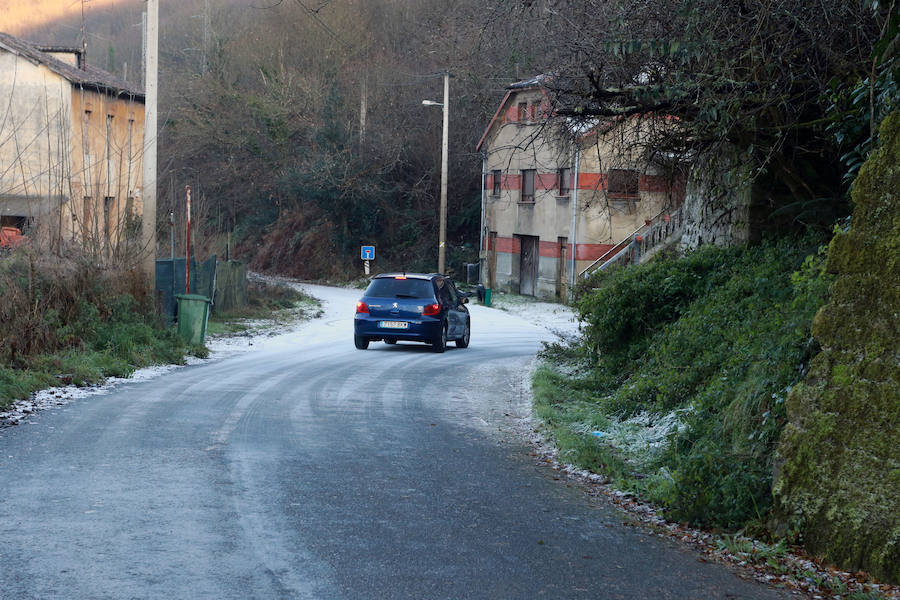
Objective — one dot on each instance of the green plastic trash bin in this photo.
(193, 314)
(487, 296)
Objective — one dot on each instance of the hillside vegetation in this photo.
(678, 390)
(303, 135)
(839, 478)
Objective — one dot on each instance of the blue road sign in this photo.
(368, 253)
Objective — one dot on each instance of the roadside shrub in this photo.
(623, 306)
(68, 319)
(18, 384)
(717, 338)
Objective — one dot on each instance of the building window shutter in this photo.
(622, 183)
(528, 185)
(563, 177)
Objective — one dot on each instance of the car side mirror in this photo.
(464, 300)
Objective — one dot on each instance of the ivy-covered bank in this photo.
(753, 388)
(838, 482)
(677, 391)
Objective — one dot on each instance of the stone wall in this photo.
(717, 202)
(837, 480)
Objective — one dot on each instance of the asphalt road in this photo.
(310, 469)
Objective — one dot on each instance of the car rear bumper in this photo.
(424, 329)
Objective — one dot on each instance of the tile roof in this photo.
(91, 77)
(536, 81)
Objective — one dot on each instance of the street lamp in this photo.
(442, 247)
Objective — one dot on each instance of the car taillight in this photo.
(361, 307)
(431, 309)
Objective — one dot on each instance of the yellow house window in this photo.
(108, 204)
(86, 216)
(563, 177)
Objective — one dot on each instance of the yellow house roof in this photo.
(89, 77)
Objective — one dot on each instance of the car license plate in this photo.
(394, 324)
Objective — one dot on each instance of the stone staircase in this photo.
(641, 244)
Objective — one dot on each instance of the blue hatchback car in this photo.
(413, 307)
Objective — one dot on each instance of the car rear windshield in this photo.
(388, 287)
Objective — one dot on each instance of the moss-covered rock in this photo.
(837, 483)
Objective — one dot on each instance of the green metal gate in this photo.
(171, 279)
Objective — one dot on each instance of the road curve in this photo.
(309, 469)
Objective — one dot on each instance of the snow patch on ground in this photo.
(557, 318)
(62, 395)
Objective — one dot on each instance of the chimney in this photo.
(70, 56)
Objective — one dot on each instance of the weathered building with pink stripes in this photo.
(559, 196)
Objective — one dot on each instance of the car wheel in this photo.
(440, 344)
(361, 342)
(463, 342)
(390, 341)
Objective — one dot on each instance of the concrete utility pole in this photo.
(445, 146)
(83, 65)
(574, 185)
(144, 48)
(442, 248)
(148, 228)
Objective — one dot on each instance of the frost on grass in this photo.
(639, 439)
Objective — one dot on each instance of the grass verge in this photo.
(676, 391)
(70, 322)
(66, 321)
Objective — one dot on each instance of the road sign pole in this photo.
(366, 263)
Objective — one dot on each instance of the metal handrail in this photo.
(617, 249)
(651, 234)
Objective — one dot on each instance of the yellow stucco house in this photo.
(71, 138)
